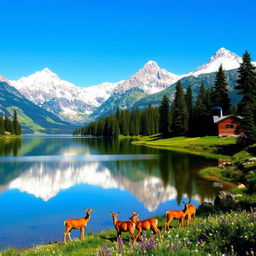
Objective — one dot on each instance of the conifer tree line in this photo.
(10, 126)
(187, 115)
(124, 122)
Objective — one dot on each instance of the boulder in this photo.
(224, 197)
(205, 205)
(241, 186)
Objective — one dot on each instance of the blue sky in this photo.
(89, 42)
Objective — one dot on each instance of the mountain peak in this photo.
(224, 57)
(151, 65)
(223, 52)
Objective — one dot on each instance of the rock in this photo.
(225, 164)
(223, 197)
(205, 205)
(241, 186)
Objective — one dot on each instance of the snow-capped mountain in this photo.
(73, 103)
(224, 57)
(70, 102)
(44, 182)
(151, 79)
(78, 104)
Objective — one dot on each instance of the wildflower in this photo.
(170, 244)
(251, 251)
(143, 245)
(247, 253)
(105, 251)
(151, 243)
(120, 244)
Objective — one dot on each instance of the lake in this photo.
(45, 180)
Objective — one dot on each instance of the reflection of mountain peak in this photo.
(44, 181)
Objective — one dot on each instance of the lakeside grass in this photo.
(231, 233)
(208, 146)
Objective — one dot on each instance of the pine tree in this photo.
(179, 125)
(189, 106)
(246, 84)
(1, 125)
(15, 124)
(164, 117)
(220, 92)
(249, 127)
(135, 123)
(202, 116)
(8, 125)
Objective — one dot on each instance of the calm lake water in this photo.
(47, 179)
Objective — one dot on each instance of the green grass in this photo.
(209, 146)
(231, 233)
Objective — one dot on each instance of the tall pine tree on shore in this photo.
(246, 84)
(164, 117)
(189, 106)
(15, 124)
(220, 92)
(202, 115)
(179, 125)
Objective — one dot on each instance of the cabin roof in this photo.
(217, 119)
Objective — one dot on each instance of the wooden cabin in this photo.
(229, 126)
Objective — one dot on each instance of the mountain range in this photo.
(74, 104)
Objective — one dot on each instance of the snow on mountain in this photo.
(151, 79)
(44, 182)
(68, 101)
(224, 57)
(73, 103)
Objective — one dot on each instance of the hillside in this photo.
(31, 117)
(194, 82)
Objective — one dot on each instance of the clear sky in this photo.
(90, 42)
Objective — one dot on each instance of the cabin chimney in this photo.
(220, 112)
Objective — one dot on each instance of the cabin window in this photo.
(229, 126)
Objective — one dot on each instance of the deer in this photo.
(123, 226)
(190, 211)
(180, 215)
(145, 225)
(77, 223)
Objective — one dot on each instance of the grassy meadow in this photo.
(230, 233)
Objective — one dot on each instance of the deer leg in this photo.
(167, 223)
(67, 231)
(139, 233)
(69, 235)
(157, 230)
(82, 233)
(133, 236)
(118, 234)
(181, 221)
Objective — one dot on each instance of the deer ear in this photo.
(91, 209)
(85, 209)
(189, 201)
(110, 213)
(118, 212)
(183, 202)
(134, 212)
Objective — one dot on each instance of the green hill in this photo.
(31, 117)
